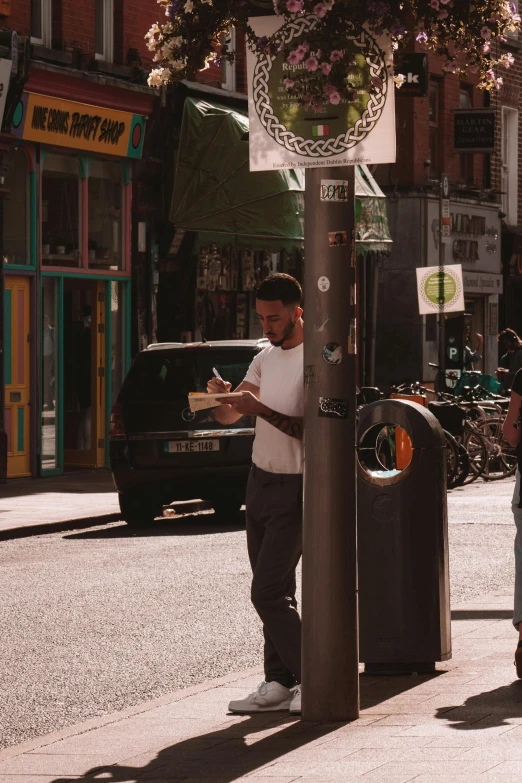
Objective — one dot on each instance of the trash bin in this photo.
(404, 603)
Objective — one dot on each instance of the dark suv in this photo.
(160, 450)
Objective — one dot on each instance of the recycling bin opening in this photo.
(385, 451)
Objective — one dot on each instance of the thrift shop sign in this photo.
(338, 130)
(62, 123)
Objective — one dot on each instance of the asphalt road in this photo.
(103, 619)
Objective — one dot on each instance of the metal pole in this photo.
(3, 433)
(330, 674)
(443, 216)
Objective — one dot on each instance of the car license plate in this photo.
(192, 446)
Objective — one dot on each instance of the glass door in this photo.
(50, 403)
(84, 360)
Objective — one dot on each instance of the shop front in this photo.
(476, 244)
(67, 263)
(233, 227)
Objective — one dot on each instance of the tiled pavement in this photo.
(29, 506)
(462, 724)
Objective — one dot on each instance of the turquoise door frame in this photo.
(126, 283)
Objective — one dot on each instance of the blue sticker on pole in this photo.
(332, 353)
(330, 408)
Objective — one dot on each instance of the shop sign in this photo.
(47, 120)
(283, 134)
(482, 283)
(414, 68)
(474, 130)
(440, 288)
(474, 240)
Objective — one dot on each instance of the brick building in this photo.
(485, 211)
(73, 219)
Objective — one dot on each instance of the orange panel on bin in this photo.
(403, 449)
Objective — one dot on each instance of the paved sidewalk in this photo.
(29, 506)
(462, 724)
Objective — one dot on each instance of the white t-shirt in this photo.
(279, 375)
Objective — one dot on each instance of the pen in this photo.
(218, 376)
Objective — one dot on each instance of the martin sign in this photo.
(414, 68)
(474, 130)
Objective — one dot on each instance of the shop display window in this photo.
(105, 216)
(61, 211)
(15, 211)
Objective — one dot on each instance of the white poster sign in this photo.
(283, 134)
(440, 289)
(474, 236)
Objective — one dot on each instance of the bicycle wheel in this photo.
(452, 460)
(477, 450)
(502, 461)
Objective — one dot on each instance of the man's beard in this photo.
(289, 329)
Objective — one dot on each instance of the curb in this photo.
(115, 717)
(41, 528)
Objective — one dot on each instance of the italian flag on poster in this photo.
(320, 130)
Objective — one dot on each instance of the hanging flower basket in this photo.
(328, 64)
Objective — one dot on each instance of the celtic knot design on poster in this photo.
(319, 136)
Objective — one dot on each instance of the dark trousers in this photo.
(274, 537)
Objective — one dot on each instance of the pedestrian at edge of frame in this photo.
(512, 433)
(273, 391)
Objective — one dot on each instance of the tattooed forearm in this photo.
(289, 425)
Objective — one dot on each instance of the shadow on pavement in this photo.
(487, 709)
(76, 482)
(227, 754)
(481, 614)
(188, 525)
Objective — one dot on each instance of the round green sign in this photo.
(333, 127)
(440, 291)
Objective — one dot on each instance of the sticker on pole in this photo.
(332, 353)
(323, 284)
(337, 238)
(440, 289)
(334, 190)
(330, 408)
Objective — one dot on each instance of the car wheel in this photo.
(138, 510)
(228, 508)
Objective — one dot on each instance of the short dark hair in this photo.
(280, 287)
(509, 336)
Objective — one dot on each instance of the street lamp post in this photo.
(330, 627)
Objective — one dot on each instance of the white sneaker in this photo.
(295, 704)
(268, 697)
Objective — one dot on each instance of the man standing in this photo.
(273, 391)
(511, 361)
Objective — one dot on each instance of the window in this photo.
(41, 22)
(105, 215)
(509, 184)
(105, 30)
(467, 160)
(434, 114)
(61, 211)
(15, 211)
(228, 70)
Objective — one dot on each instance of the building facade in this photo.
(76, 123)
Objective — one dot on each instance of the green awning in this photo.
(217, 195)
(371, 220)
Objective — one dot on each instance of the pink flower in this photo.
(303, 48)
(334, 97)
(326, 68)
(288, 83)
(294, 57)
(444, 2)
(320, 10)
(443, 13)
(485, 33)
(311, 64)
(435, 4)
(499, 82)
(490, 75)
(336, 55)
(329, 88)
(317, 107)
(294, 6)
(422, 37)
(486, 48)
(508, 60)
